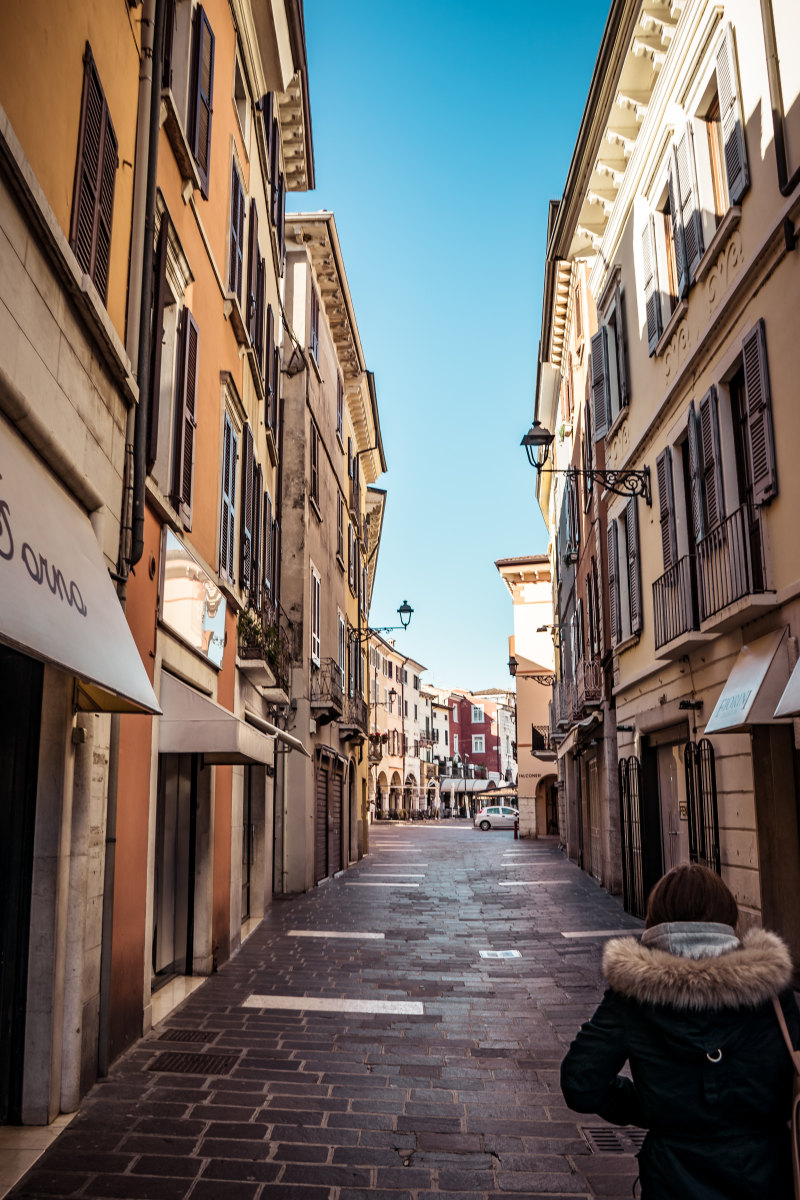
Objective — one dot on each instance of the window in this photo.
(364, 589)
(254, 291)
(477, 714)
(666, 501)
(445, 737)
(342, 650)
(246, 539)
(185, 419)
(340, 529)
(314, 476)
(272, 369)
(455, 712)
(351, 556)
(624, 575)
(95, 175)
(455, 743)
(201, 95)
(389, 667)
(269, 548)
(227, 537)
(236, 260)
(416, 713)
(339, 409)
(416, 683)
(405, 708)
(316, 614)
(241, 102)
(478, 743)
(313, 340)
(608, 373)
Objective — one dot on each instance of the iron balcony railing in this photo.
(268, 634)
(326, 685)
(675, 602)
(588, 683)
(562, 701)
(730, 562)
(354, 712)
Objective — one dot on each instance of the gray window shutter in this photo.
(228, 514)
(612, 539)
(202, 95)
(268, 550)
(159, 303)
(235, 268)
(257, 565)
(695, 475)
(689, 202)
(601, 398)
(760, 437)
(710, 460)
(95, 175)
(622, 347)
(652, 295)
(730, 109)
(246, 537)
(185, 420)
(634, 565)
(251, 293)
(667, 508)
(676, 219)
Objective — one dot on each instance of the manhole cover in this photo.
(194, 1064)
(499, 953)
(602, 1139)
(187, 1035)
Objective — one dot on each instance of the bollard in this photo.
(516, 829)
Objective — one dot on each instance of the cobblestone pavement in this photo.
(457, 1097)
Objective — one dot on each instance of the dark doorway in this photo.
(248, 840)
(21, 681)
(776, 771)
(176, 843)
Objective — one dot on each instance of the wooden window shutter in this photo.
(258, 560)
(730, 109)
(159, 302)
(339, 525)
(689, 200)
(169, 41)
(622, 347)
(258, 332)
(695, 475)
(349, 458)
(710, 460)
(267, 110)
(666, 499)
(276, 387)
(612, 539)
(246, 536)
(270, 366)
(95, 175)
(601, 391)
(276, 559)
(252, 272)
(579, 630)
(760, 437)
(676, 221)
(274, 171)
(652, 295)
(281, 224)
(202, 94)
(587, 457)
(634, 565)
(186, 420)
(228, 514)
(235, 268)
(268, 570)
(314, 463)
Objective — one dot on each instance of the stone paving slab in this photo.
(460, 1100)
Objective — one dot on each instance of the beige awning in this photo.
(577, 732)
(754, 686)
(280, 735)
(789, 703)
(193, 724)
(57, 601)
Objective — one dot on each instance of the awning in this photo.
(789, 703)
(57, 601)
(576, 733)
(279, 734)
(468, 785)
(193, 724)
(754, 686)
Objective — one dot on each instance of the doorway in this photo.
(248, 842)
(175, 866)
(20, 722)
(673, 805)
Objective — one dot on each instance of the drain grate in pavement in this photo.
(187, 1035)
(500, 954)
(194, 1064)
(602, 1139)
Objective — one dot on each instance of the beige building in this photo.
(682, 201)
(396, 783)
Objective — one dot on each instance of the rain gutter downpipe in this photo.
(785, 183)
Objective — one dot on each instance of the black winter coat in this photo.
(711, 1074)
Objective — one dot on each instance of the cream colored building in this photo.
(682, 201)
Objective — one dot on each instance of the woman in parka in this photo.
(690, 1008)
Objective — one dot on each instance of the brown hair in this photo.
(691, 893)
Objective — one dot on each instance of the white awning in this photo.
(754, 686)
(193, 724)
(469, 785)
(57, 601)
(279, 734)
(789, 703)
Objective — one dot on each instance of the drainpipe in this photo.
(786, 184)
(141, 282)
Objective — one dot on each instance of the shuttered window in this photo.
(257, 565)
(612, 538)
(339, 408)
(601, 387)
(351, 554)
(634, 566)
(695, 476)
(652, 296)
(185, 419)
(710, 461)
(666, 499)
(269, 570)
(251, 291)
(760, 438)
(673, 232)
(340, 526)
(342, 650)
(236, 262)
(274, 169)
(202, 90)
(159, 302)
(95, 175)
(227, 536)
(731, 118)
(270, 369)
(316, 615)
(313, 338)
(314, 481)
(246, 534)
(688, 202)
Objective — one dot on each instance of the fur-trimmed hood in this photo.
(744, 977)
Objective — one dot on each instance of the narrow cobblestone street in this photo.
(359, 1042)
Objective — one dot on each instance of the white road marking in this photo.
(588, 933)
(332, 933)
(397, 875)
(356, 883)
(531, 882)
(334, 1004)
(500, 954)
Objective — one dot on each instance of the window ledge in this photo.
(628, 642)
(232, 311)
(340, 561)
(617, 424)
(681, 309)
(315, 508)
(272, 446)
(178, 141)
(726, 227)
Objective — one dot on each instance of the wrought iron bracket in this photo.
(544, 679)
(622, 482)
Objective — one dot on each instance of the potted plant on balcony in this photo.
(258, 647)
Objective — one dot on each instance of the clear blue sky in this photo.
(442, 128)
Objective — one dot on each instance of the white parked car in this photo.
(497, 816)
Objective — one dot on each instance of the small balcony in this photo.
(562, 702)
(730, 563)
(327, 700)
(675, 602)
(264, 648)
(588, 685)
(353, 721)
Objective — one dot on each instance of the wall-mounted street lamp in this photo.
(622, 482)
(404, 612)
(545, 678)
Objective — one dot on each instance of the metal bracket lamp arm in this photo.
(622, 481)
(404, 611)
